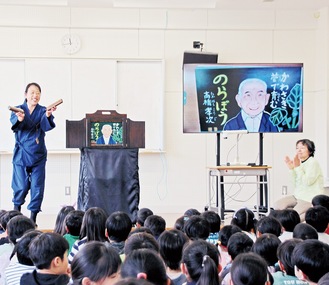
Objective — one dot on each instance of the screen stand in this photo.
(263, 188)
(261, 144)
(238, 134)
(237, 158)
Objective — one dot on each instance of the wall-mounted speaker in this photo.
(200, 57)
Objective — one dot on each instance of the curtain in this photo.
(109, 179)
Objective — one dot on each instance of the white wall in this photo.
(177, 179)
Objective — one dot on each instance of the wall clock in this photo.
(71, 43)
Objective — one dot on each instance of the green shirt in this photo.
(71, 240)
(307, 180)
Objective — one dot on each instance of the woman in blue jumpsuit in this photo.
(30, 153)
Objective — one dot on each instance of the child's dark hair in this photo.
(192, 212)
(140, 230)
(7, 216)
(284, 254)
(2, 213)
(250, 269)
(180, 222)
(321, 200)
(133, 281)
(60, 219)
(141, 240)
(239, 243)
(312, 258)
(73, 222)
(288, 218)
(142, 214)
(213, 219)
(17, 226)
(197, 227)
(156, 224)
(317, 217)
(45, 247)
(244, 219)
(201, 260)
(305, 231)
(226, 232)
(96, 261)
(266, 246)
(145, 261)
(171, 243)
(93, 224)
(118, 226)
(269, 225)
(21, 248)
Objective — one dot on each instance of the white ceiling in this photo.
(188, 4)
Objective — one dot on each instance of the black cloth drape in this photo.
(109, 179)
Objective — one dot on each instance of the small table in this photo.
(219, 172)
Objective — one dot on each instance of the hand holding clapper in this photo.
(55, 104)
(14, 109)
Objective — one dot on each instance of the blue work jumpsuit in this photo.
(30, 155)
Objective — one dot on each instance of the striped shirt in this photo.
(14, 272)
(76, 247)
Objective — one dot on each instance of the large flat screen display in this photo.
(259, 98)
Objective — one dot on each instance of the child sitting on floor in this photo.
(73, 223)
(48, 252)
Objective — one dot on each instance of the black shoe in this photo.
(33, 217)
(17, 208)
